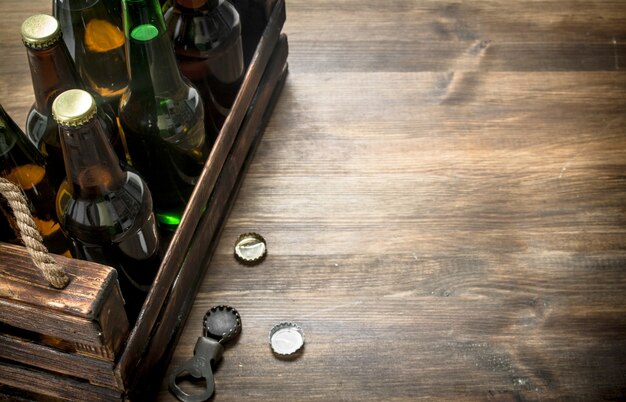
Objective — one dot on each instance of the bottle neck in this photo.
(151, 60)
(52, 71)
(92, 167)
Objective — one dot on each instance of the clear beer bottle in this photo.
(106, 209)
(23, 165)
(207, 42)
(94, 36)
(53, 71)
(161, 113)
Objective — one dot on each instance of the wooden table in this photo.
(442, 187)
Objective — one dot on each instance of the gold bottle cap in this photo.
(73, 107)
(286, 338)
(40, 31)
(250, 248)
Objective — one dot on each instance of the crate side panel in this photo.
(29, 353)
(21, 281)
(85, 334)
(55, 386)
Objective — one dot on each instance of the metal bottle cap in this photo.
(286, 338)
(40, 31)
(250, 248)
(73, 107)
(222, 323)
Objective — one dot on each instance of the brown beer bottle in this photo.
(94, 36)
(161, 114)
(106, 209)
(207, 42)
(23, 165)
(53, 72)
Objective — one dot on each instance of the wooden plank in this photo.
(22, 282)
(85, 335)
(479, 55)
(428, 346)
(53, 360)
(442, 35)
(449, 21)
(182, 294)
(55, 386)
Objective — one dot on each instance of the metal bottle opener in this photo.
(221, 324)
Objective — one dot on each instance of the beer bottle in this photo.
(106, 209)
(52, 72)
(207, 42)
(165, 5)
(93, 33)
(23, 165)
(8, 226)
(161, 114)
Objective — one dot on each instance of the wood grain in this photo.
(55, 360)
(88, 313)
(58, 388)
(442, 189)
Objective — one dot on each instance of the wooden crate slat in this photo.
(32, 354)
(87, 336)
(21, 281)
(43, 383)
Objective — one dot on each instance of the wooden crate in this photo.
(77, 344)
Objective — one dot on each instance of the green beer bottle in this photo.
(161, 113)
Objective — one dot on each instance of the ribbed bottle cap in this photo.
(250, 248)
(73, 107)
(40, 31)
(286, 338)
(222, 323)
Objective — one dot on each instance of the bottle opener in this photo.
(221, 324)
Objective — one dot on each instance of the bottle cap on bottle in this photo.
(73, 107)
(40, 31)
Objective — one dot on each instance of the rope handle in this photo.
(31, 237)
